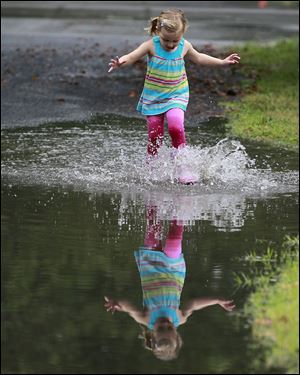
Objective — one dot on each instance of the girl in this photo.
(166, 90)
(162, 272)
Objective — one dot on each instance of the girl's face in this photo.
(163, 328)
(169, 41)
(165, 335)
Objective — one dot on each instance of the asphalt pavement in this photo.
(55, 53)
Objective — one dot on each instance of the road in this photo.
(55, 53)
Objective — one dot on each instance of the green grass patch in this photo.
(269, 108)
(273, 307)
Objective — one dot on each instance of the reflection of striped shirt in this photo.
(162, 281)
(166, 85)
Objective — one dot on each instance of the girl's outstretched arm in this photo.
(203, 59)
(131, 58)
(201, 303)
(125, 306)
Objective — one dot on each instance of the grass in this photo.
(276, 319)
(269, 109)
(274, 308)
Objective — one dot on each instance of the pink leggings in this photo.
(175, 119)
(172, 248)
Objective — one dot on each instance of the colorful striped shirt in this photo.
(166, 85)
(162, 280)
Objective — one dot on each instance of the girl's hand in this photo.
(114, 64)
(234, 58)
(111, 305)
(227, 305)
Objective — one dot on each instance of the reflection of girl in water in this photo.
(162, 271)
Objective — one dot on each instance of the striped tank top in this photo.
(166, 85)
(162, 280)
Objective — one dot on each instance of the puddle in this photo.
(109, 155)
(75, 207)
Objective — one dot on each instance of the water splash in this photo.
(101, 157)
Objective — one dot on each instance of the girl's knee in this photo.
(175, 118)
(155, 121)
(155, 127)
(155, 133)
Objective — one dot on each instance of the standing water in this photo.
(79, 200)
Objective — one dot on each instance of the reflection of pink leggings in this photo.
(153, 233)
(175, 119)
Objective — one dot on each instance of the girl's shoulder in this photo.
(183, 316)
(152, 48)
(149, 45)
(187, 47)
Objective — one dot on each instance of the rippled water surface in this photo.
(109, 157)
(79, 199)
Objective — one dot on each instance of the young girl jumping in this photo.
(166, 90)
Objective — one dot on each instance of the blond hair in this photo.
(164, 349)
(172, 20)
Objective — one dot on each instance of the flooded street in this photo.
(75, 208)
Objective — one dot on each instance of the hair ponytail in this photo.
(152, 29)
(173, 20)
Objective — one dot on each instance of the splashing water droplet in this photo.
(105, 157)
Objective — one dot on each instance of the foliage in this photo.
(269, 111)
(273, 309)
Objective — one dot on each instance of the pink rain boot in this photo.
(184, 174)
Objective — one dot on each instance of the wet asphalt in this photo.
(55, 55)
